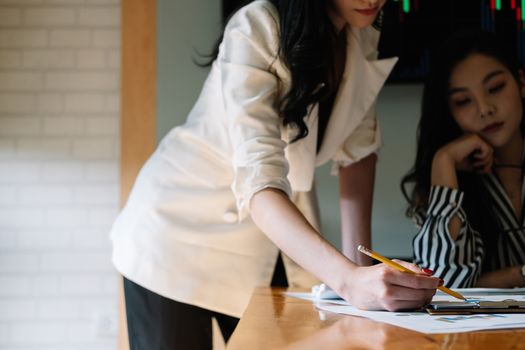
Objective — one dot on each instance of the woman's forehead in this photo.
(475, 69)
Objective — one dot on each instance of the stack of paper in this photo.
(423, 322)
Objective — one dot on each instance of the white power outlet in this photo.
(105, 325)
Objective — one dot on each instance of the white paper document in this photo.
(421, 321)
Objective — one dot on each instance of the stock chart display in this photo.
(410, 28)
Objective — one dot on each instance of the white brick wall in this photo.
(59, 107)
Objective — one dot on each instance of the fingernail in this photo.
(441, 282)
(428, 271)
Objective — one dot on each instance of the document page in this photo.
(421, 321)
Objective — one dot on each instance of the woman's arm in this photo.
(356, 187)
(468, 153)
(280, 219)
(509, 277)
(446, 243)
(376, 287)
(456, 260)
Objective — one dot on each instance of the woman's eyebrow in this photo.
(486, 79)
(492, 75)
(456, 90)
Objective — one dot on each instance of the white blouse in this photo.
(185, 232)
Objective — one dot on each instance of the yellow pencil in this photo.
(396, 266)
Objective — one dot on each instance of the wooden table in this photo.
(274, 321)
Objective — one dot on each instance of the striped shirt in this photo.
(460, 262)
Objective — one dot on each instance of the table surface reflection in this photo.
(275, 321)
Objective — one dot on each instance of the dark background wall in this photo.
(412, 27)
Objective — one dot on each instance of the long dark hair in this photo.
(437, 128)
(306, 47)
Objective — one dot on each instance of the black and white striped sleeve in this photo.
(457, 262)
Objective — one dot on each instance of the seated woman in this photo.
(467, 194)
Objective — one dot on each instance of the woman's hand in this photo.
(469, 153)
(466, 153)
(381, 287)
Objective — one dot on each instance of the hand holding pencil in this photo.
(382, 287)
(401, 268)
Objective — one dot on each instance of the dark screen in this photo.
(411, 28)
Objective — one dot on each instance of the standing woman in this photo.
(292, 86)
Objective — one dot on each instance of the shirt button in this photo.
(230, 217)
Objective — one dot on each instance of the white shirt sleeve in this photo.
(362, 142)
(250, 95)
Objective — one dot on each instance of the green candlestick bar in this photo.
(406, 5)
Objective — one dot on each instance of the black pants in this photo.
(159, 323)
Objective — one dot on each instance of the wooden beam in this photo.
(138, 89)
(138, 106)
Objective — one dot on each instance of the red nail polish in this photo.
(441, 282)
(428, 271)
